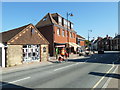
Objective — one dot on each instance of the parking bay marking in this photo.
(102, 78)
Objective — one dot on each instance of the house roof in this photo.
(43, 22)
(23, 35)
(118, 36)
(7, 35)
(50, 20)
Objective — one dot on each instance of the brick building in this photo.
(58, 31)
(80, 40)
(105, 43)
(22, 45)
(116, 43)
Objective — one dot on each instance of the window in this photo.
(60, 19)
(32, 30)
(68, 24)
(65, 22)
(63, 33)
(71, 25)
(44, 49)
(71, 34)
(58, 31)
(45, 18)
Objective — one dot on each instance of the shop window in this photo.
(44, 49)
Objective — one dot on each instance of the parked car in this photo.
(101, 51)
(81, 52)
(87, 52)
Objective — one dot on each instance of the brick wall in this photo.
(47, 32)
(82, 43)
(63, 39)
(14, 55)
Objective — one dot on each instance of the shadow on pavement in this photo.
(117, 76)
(9, 86)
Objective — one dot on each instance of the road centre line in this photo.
(102, 78)
(66, 66)
(16, 81)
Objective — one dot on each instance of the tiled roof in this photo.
(7, 35)
(49, 21)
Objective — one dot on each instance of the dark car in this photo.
(101, 51)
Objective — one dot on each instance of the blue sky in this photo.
(100, 17)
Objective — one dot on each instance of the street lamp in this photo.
(88, 38)
(68, 14)
(88, 34)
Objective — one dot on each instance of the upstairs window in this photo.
(63, 33)
(58, 31)
(68, 24)
(65, 22)
(71, 25)
(60, 20)
(45, 18)
(32, 30)
(71, 34)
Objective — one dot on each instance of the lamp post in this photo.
(89, 37)
(68, 14)
(88, 34)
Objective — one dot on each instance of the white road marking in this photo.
(66, 66)
(107, 82)
(20, 80)
(15, 81)
(102, 78)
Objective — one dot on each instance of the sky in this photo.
(100, 17)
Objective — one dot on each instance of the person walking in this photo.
(63, 53)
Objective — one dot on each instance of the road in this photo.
(91, 72)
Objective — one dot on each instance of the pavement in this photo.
(112, 82)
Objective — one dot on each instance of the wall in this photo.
(47, 32)
(14, 55)
(44, 55)
(63, 39)
(82, 43)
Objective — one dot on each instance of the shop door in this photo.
(31, 53)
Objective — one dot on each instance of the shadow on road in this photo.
(117, 76)
(106, 58)
(9, 86)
